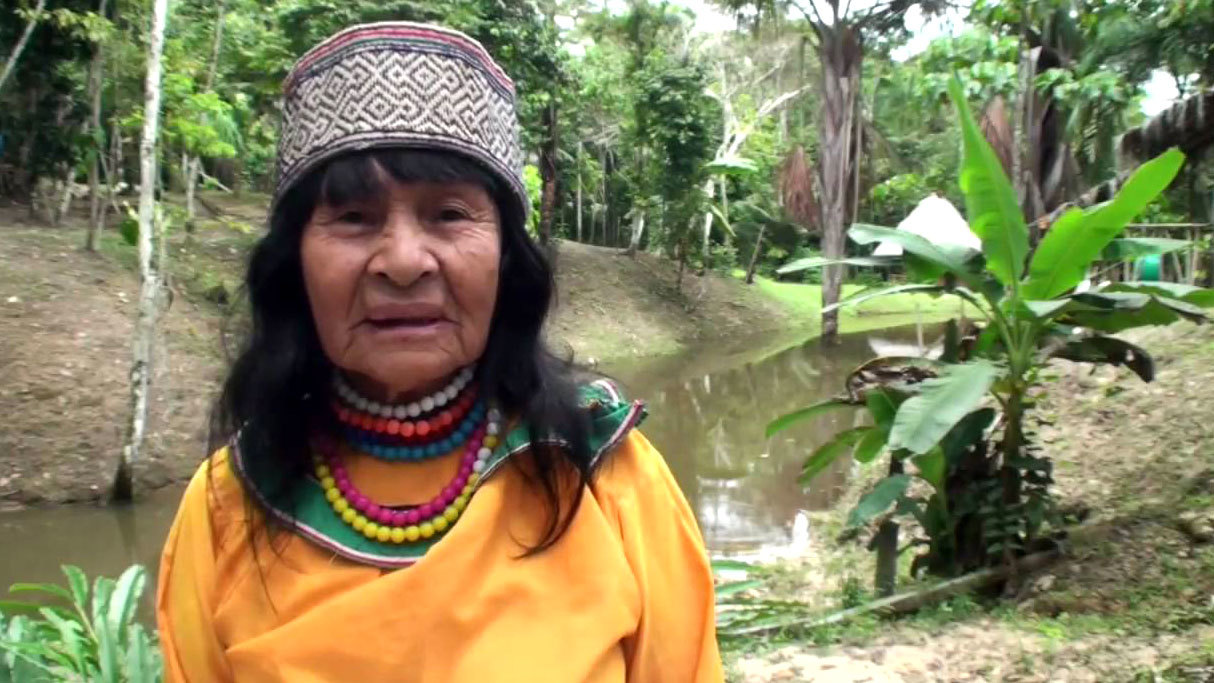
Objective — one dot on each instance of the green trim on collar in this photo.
(612, 418)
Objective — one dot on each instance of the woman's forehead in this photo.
(381, 174)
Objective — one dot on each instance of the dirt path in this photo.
(1134, 601)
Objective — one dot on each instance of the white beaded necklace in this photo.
(400, 411)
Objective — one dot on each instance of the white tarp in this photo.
(936, 220)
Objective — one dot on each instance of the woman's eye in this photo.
(452, 213)
(355, 217)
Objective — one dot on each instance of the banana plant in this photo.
(974, 400)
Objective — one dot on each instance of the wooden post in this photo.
(149, 277)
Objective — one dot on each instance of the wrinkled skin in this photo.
(403, 287)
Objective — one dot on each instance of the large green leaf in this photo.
(1140, 311)
(1190, 294)
(1131, 248)
(1044, 309)
(731, 565)
(966, 434)
(141, 663)
(785, 421)
(71, 636)
(727, 589)
(1100, 349)
(884, 494)
(126, 596)
(830, 451)
(47, 588)
(932, 467)
(959, 259)
(883, 406)
(941, 403)
(818, 262)
(1121, 301)
(990, 202)
(1078, 237)
(870, 445)
(78, 582)
(889, 291)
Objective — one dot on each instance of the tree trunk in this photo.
(194, 164)
(705, 252)
(548, 173)
(113, 170)
(638, 228)
(96, 208)
(145, 321)
(840, 54)
(579, 192)
(65, 202)
(754, 256)
(11, 63)
(885, 579)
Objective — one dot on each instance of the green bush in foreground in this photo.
(77, 635)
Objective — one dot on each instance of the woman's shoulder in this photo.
(215, 488)
(624, 460)
(613, 417)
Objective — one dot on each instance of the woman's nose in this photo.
(403, 253)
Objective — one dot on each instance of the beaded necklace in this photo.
(400, 411)
(452, 417)
(374, 428)
(393, 525)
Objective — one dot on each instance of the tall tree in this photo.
(96, 137)
(738, 123)
(13, 56)
(837, 34)
(194, 163)
(149, 271)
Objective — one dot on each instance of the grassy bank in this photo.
(1131, 600)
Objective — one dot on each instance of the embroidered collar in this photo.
(311, 516)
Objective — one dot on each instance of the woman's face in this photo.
(403, 286)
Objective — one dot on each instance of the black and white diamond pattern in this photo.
(380, 97)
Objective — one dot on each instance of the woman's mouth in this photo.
(403, 323)
(407, 329)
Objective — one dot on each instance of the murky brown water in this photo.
(708, 410)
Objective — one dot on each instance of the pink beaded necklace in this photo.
(389, 525)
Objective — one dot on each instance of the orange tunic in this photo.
(625, 595)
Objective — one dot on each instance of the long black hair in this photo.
(281, 377)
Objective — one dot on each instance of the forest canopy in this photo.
(642, 131)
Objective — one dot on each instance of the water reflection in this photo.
(708, 420)
(708, 412)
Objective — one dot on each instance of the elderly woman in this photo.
(414, 488)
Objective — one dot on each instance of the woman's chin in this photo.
(405, 370)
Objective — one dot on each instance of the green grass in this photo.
(804, 301)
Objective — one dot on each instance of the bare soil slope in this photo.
(65, 342)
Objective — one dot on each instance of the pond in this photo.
(708, 409)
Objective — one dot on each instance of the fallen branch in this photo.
(213, 209)
(904, 603)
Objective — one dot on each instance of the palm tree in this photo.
(837, 33)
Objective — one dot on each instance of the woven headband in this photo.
(399, 84)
